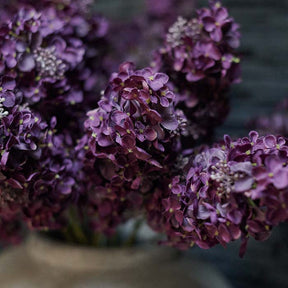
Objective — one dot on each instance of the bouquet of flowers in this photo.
(84, 148)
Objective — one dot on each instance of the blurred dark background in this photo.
(264, 49)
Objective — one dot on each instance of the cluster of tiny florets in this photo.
(3, 112)
(226, 178)
(200, 58)
(183, 28)
(47, 63)
(238, 189)
(54, 54)
(132, 134)
(48, 54)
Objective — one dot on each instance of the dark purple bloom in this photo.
(133, 134)
(36, 174)
(54, 55)
(201, 61)
(213, 20)
(51, 59)
(235, 190)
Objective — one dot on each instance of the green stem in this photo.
(68, 235)
(132, 238)
(74, 230)
(252, 203)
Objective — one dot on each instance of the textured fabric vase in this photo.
(41, 262)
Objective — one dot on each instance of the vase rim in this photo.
(85, 258)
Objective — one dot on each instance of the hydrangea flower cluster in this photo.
(48, 55)
(54, 55)
(35, 173)
(10, 7)
(199, 57)
(237, 189)
(133, 134)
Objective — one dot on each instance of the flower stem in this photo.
(132, 238)
(74, 230)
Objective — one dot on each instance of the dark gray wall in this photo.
(264, 25)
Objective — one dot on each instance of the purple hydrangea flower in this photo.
(237, 189)
(36, 173)
(214, 20)
(67, 6)
(51, 61)
(131, 135)
(200, 59)
(55, 55)
(37, 60)
(136, 110)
